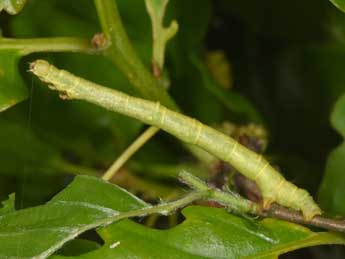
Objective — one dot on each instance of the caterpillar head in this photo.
(40, 68)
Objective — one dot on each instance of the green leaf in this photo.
(12, 6)
(12, 87)
(41, 230)
(8, 206)
(77, 247)
(23, 153)
(87, 202)
(34, 168)
(192, 28)
(331, 194)
(207, 233)
(339, 3)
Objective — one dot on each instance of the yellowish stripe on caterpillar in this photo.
(232, 151)
(262, 170)
(198, 126)
(278, 187)
(163, 110)
(293, 192)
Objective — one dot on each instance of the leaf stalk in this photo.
(54, 44)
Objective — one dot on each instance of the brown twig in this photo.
(276, 211)
(242, 205)
(293, 216)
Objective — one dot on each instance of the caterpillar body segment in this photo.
(272, 184)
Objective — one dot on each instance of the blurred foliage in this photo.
(220, 68)
(12, 6)
(12, 87)
(8, 206)
(332, 188)
(339, 3)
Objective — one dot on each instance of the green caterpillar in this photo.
(272, 184)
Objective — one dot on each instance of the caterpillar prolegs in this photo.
(272, 184)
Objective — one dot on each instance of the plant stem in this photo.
(228, 199)
(58, 44)
(161, 35)
(163, 208)
(121, 52)
(293, 216)
(125, 156)
(158, 53)
(108, 22)
(123, 55)
(241, 205)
